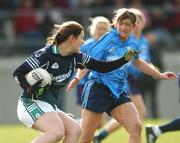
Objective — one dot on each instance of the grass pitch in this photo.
(22, 134)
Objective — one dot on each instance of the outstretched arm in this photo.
(150, 70)
(74, 82)
(102, 66)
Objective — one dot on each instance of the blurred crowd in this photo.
(24, 24)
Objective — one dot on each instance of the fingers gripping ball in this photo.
(38, 74)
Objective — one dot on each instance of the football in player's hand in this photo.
(38, 74)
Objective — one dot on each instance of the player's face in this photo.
(78, 42)
(101, 29)
(124, 27)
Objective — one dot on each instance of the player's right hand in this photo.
(72, 84)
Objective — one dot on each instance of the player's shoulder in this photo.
(43, 51)
(110, 35)
(105, 39)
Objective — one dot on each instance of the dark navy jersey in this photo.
(61, 68)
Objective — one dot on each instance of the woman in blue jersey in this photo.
(60, 58)
(107, 92)
(134, 78)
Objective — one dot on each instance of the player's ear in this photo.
(71, 38)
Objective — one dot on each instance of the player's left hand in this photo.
(168, 76)
(72, 84)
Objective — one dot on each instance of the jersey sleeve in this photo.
(19, 75)
(36, 60)
(85, 61)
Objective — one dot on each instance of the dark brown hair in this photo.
(63, 31)
(128, 15)
(122, 14)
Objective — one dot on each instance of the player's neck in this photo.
(64, 50)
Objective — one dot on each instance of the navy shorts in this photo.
(98, 98)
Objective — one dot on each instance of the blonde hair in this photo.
(61, 32)
(96, 20)
(139, 14)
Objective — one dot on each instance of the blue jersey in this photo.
(84, 48)
(109, 48)
(145, 55)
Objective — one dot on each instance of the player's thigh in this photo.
(90, 121)
(127, 115)
(49, 122)
(70, 124)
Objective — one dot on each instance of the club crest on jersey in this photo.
(55, 66)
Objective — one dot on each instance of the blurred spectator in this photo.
(97, 7)
(97, 3)
(158, 29)
(2, 37)
(85, 3)
(7, 37)
(37, 3)
(7, 4)
(115, 3)
(25, 19)
(6, 29)
(61, 3)
(47, 16)
(154, 2)
(26, 25)
(74, 4)
(173, 21)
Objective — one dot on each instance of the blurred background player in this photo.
(99, 26)
(134, 77)
(153, 132)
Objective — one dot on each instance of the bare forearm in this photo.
(147, 68)
(81, 73)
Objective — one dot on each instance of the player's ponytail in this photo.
(63, 31)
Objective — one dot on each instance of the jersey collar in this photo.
(55, 50)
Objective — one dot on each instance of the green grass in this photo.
(120, 136)
(22, 134)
